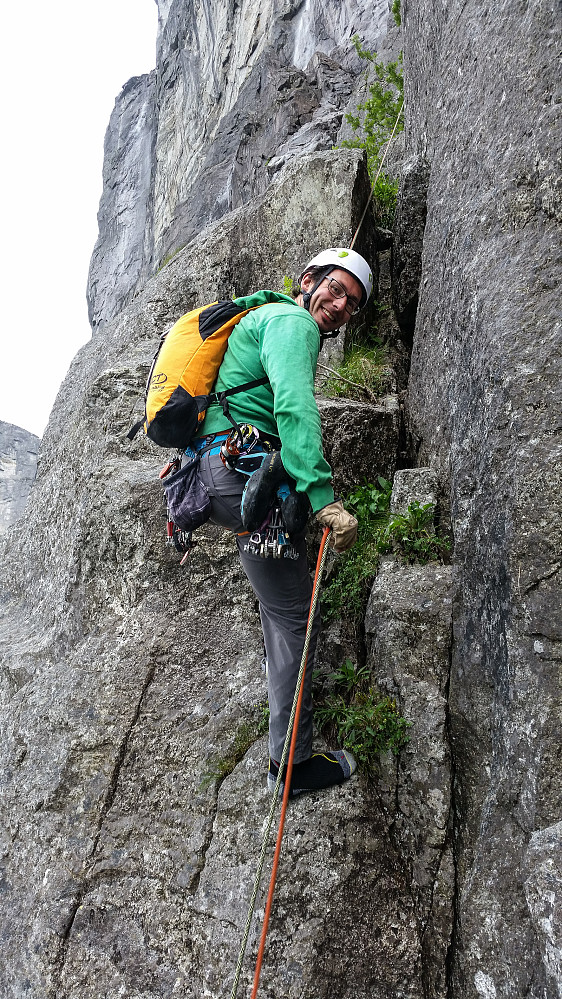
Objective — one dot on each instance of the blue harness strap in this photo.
(246, 462)
(210, 444)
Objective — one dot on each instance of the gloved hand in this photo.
(343, 525)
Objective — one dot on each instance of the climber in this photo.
(283, 341)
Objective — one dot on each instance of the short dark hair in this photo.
(318, 273)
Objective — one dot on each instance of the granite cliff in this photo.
(126, 871)
(239, 90)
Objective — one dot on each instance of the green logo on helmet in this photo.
(343, 253)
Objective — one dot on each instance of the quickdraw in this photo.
(272, 539)
(245, 449)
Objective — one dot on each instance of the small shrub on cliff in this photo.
(359, 717)
(409, 535)
(288, 285)
(364, 372)
(346, 593)
(373, 124)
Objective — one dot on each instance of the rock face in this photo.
(132, 766)
(124, 248)
(18, 465)
(239, 90)
(127, 866)
(484, 403)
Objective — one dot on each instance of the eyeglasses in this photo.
(337, 290)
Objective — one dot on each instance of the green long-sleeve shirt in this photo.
(282, 341)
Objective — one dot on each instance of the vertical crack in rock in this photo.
(109, 798)
(213, 822)
(206, 843)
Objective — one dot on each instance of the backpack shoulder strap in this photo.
(219, 396)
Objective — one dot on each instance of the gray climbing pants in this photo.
(284, 590)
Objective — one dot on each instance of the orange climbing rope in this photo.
(269, 902)
(288, 751)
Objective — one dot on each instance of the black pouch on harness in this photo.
(188, 501)
(271, 484)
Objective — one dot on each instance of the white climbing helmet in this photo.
(346, 260)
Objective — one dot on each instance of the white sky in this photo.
(62, 66)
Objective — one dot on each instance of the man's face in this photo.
(330, 312)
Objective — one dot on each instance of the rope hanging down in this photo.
(288, 751)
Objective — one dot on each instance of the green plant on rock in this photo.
(168, 257)
(385, 193)
(364, 372)
(346, 592)
(369, 502)
(378, 116)
(287, 288)
(360, 717)
(396, 12)
(411, 534)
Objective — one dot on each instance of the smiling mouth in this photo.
(331, 318)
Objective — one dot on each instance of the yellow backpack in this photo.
(185, 368)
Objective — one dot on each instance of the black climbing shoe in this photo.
(320, 771)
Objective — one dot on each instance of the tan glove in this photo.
(343, 525)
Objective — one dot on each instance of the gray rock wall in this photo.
(483, 123)
(239, 90)
(122, 258)
(18, 465)
(126, 866)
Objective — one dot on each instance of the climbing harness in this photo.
(246, 451)
(287, 758)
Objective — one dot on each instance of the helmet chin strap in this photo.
(307, 295)
(328, 336)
